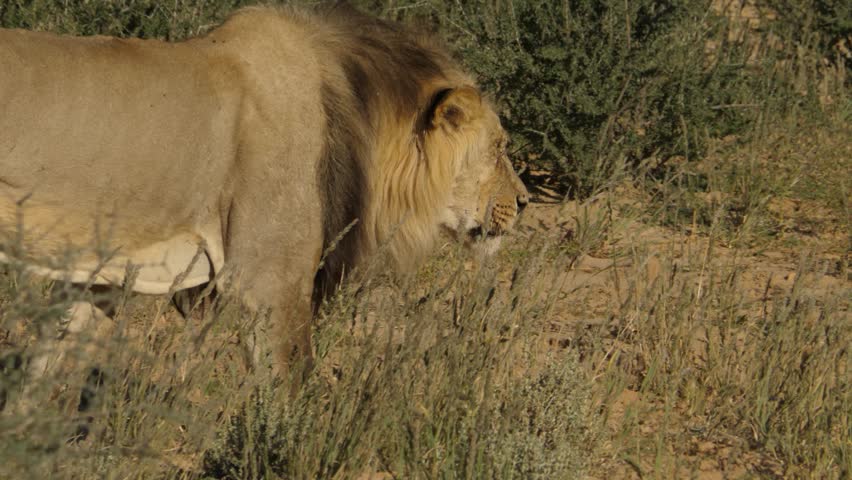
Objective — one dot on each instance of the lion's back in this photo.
(157, 132)
(95, 125)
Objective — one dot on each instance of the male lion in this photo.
(250, 150)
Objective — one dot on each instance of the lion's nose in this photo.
(522, 200)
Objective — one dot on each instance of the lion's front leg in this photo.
(273, 238)
(273, 267)
(280, 337)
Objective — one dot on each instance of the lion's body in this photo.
(245, 151)
(150, 141)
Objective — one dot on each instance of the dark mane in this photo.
(389, 70)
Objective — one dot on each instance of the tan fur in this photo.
(242, 155)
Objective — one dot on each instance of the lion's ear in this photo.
(455, 107)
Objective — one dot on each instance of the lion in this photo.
(270, 157)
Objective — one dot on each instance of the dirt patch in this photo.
(628, 259)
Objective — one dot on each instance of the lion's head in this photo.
(486, 195)
(454, 178)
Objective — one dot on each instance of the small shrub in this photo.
(123, 18)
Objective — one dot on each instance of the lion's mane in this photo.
(376, 166)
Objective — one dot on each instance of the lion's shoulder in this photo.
(261, 25)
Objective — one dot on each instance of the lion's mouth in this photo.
(478, 232)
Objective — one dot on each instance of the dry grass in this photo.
(607, 340)
(437, 377)
(690, 319)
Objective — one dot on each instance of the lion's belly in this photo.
(167, 266)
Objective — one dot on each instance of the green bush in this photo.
(589, 86)
(575, 78)
(125, 18)
(824, 23)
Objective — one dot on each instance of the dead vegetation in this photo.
(688, 318)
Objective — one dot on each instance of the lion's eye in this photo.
(500, 147)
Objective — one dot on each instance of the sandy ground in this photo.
(632, 257)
